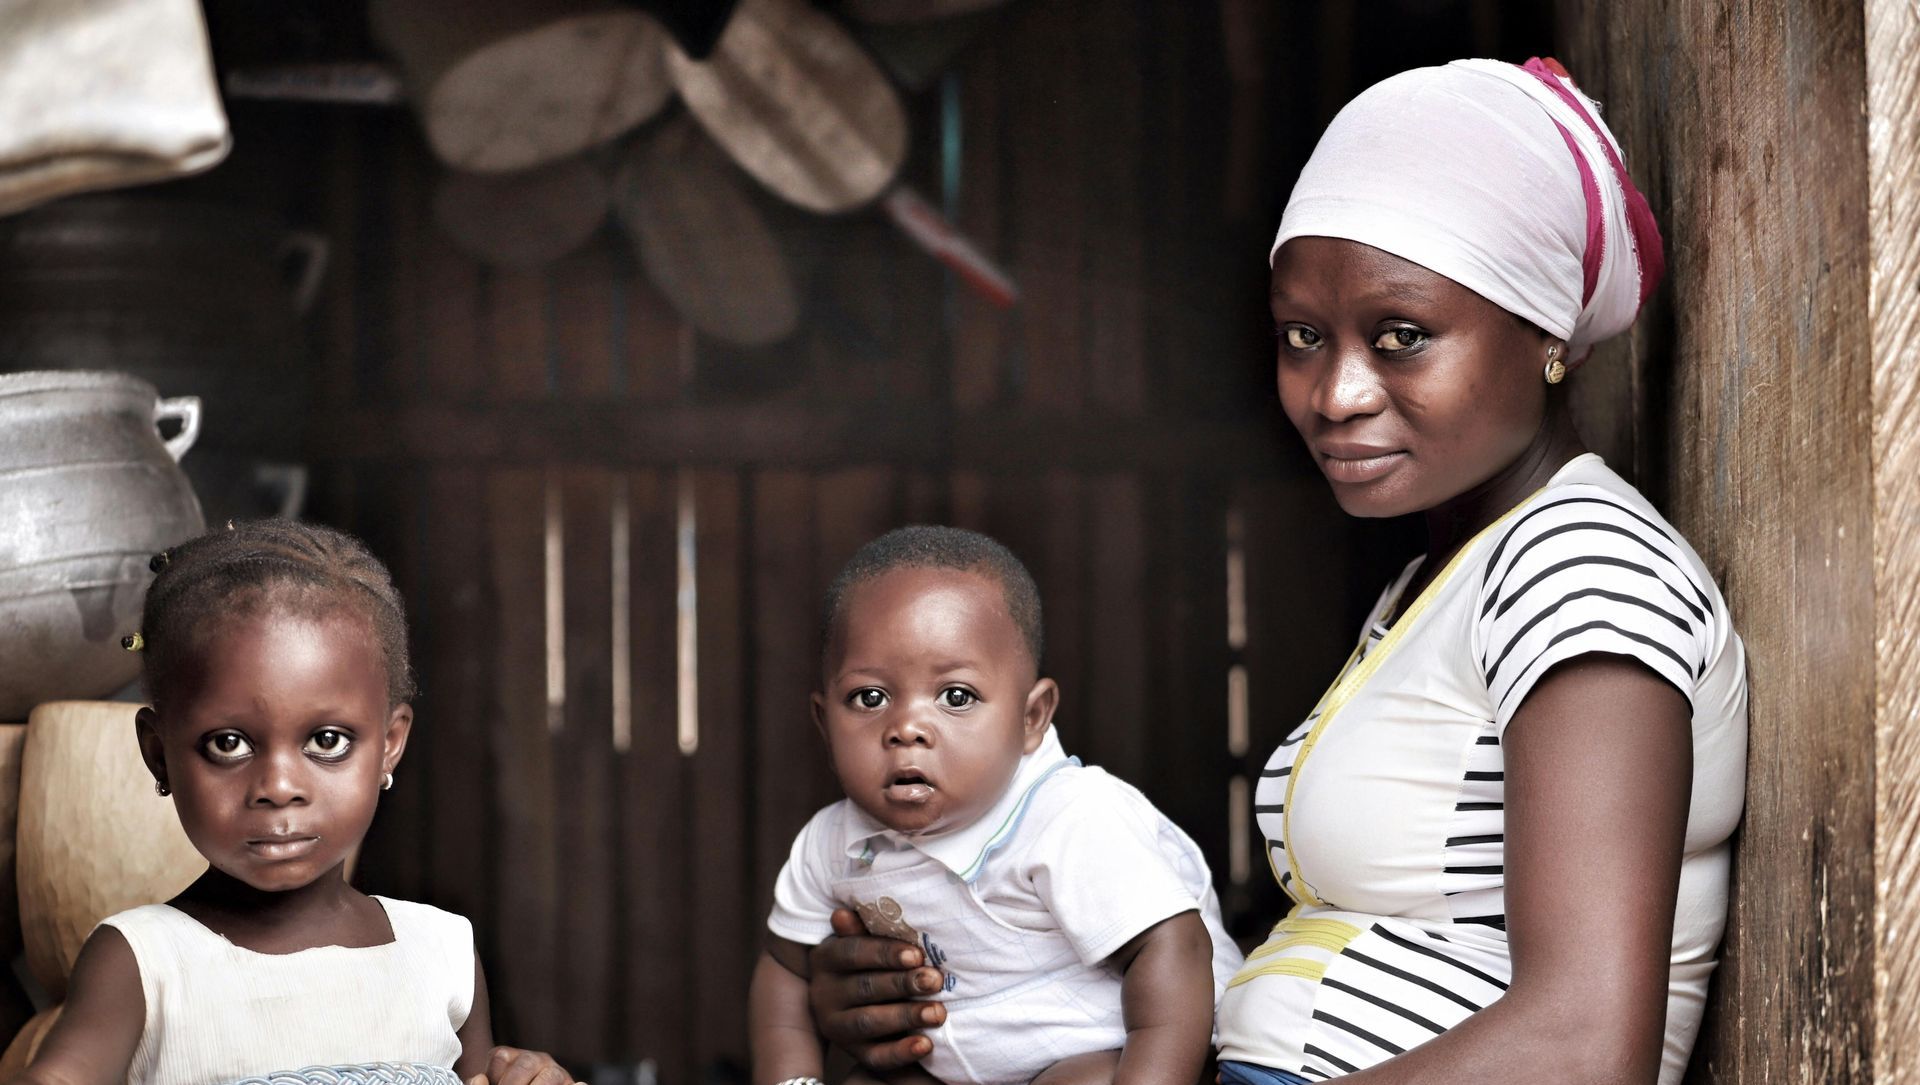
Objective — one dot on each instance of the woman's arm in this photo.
(1599, 769)
(862, 991)
(99, 1027)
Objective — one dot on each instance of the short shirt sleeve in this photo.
(1583, 573)
(1107, 865)
(803, 901)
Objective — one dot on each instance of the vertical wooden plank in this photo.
(652, 333)
(658, 961)
(526, 999)
(725, 932)
(982, 334)
(457, 633)
(1114, 346)
(1893, 163)
(452, 318)
(516, 334)
(1116, 691)
(583, 321)
(584, 771)
(791, 774)
(1048, 158)
(334, 385)
(853, 506)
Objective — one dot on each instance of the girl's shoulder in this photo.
(413, 921)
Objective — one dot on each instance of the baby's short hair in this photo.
(929, 546)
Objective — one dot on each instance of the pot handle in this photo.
(303, 253)
(186, 411)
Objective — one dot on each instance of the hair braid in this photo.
(260, 564)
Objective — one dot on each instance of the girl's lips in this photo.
(1361, 468)
(283, 847)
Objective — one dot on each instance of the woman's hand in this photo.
(515, 1066)
(862, 991)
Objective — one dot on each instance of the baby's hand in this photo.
(513, 1066)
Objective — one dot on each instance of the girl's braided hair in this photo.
(255, 565)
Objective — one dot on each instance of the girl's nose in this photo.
(278, 780)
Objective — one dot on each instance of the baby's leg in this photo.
(1092, 1068)
(906, 1075)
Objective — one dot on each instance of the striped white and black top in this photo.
(1384, 812)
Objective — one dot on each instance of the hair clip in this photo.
(159, 561)
(133, 642)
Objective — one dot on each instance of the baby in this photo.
(1076, 926)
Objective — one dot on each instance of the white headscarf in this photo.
(1499, 176)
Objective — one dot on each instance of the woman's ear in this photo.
(146, 728)
(394, 744)
(1042, 699)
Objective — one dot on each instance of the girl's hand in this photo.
(514, 1066)
(863, 992)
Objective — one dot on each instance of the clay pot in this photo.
(88, 493)
(93, 838)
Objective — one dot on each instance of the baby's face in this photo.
(929, 698)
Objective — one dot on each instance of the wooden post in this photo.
(1774, 402)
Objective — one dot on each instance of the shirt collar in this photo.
(964, 850)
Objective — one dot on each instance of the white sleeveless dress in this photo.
(218, 1014)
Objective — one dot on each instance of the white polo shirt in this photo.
(1020, 908)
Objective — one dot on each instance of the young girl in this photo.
(275, 657)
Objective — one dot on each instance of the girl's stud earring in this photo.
(386, 781)
(1556, 369)
(160, 788)
(133, 642)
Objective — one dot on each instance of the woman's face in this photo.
(1409, 388)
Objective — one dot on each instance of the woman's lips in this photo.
(1359, 466)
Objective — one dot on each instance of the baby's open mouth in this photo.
(910, 785)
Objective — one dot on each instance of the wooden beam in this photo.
(785, 435)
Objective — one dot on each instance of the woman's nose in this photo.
(1348, 388)
(278, 780)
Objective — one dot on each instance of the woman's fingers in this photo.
(862, 953)
(891, 1054)
(512, 1066)
(882, 1025)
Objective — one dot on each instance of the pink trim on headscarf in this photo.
(1646, 232)
(1595, 252)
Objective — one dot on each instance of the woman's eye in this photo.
(955, 697)
(1396, 339)
(329, 745)
(868, 698)
(1300, 337)
(227, 746)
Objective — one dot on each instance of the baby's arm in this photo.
(99, 1028)
(780, 1033)
(1166, 996)
(481, 1062)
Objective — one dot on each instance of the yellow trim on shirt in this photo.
(1351, 680)
(1332, 935)
(1286, 966)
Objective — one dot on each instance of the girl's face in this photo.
(1409, 388)
(274, 749)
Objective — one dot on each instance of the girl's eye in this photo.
(227, 746)
(329, 745)
(1300, 337)
(1398, 339)
(955, 697)
(868, 698)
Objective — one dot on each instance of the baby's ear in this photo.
(1042, 699)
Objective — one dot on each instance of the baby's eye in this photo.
(1397, 339)
(956, 697)
(1300, 337)
(329, 744)
(868, 697)
(226, 746)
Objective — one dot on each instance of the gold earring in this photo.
(1556, 369)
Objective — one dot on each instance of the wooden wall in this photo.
(1771, 399)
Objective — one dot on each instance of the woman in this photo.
(1505, 826)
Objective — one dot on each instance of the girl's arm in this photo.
(1599, 770)
(480, 1059)
(780, 1032)
(99, 1027)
